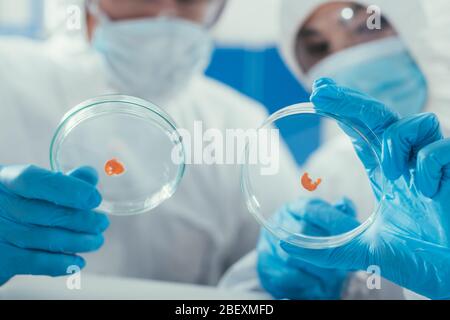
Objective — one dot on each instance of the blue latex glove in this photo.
(46, 218)
(286, 277)
(409, 239)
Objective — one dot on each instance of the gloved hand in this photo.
(409, 240)
(46, 219)
(286, 277)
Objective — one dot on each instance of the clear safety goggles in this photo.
(213, 11)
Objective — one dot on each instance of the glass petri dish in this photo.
(134, 146)
(281, 190)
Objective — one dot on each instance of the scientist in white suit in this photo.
(156, 50)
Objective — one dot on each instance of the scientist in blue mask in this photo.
(389, 50)
(360, 50)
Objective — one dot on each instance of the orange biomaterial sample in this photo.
(114, 167)
(308, 184)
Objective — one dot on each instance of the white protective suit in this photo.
(424, 27)
(195, 236)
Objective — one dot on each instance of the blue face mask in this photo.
(383, 69)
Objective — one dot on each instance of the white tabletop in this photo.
(100, 287)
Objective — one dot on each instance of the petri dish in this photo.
(303, 158)
(134, 146)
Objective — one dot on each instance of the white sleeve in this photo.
(243, 276)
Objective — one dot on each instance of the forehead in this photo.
(124, 6)
(333, 13)
(148, 5)
(194, 10)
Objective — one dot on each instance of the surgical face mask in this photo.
(152, 58)
(383, 69)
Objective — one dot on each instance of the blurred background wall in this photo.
(245, 58)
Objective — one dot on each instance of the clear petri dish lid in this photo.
(288, 196)
(134, 146)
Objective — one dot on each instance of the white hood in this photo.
(422, 24)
